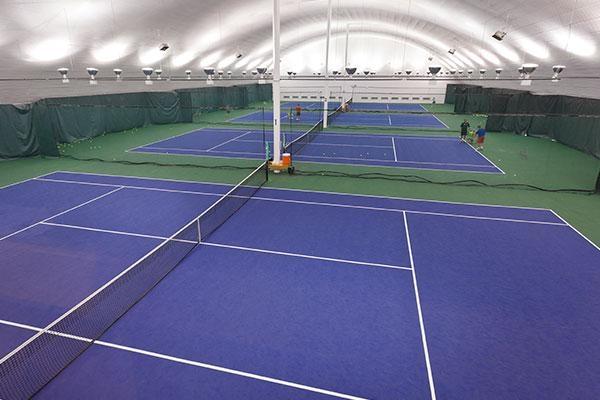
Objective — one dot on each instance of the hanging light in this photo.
(482, 72)
(118, 72)
(557, 69)
(148, 72)
(498, 72)
(210, 72)
(92, 72)
(63, 71)
(528, 69)
(188, 74)
(350, 70)
(158, 73)
(434, 70)
(229, 74)
(262, 71)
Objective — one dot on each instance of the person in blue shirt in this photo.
(480, 137)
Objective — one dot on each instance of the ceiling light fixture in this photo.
(63, 73)
(499, 35)
(92, 72)
(148, 72)
(557, 69)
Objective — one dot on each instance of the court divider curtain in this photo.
(37, 128)
(567, 119)
(17, 138)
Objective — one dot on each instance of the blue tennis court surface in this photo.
(305, 295)
(420, 119)
(417, 152)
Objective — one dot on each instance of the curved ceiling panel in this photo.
(38, 37)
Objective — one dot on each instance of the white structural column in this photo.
(326, 93)
(276, 84)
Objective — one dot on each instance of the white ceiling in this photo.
(38, 36)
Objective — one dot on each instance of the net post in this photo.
(199, 232)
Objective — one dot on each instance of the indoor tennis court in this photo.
(386, 115)
(415, 152)
(316, 297)
(291, 199)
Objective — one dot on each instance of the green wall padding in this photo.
(566, 119)
(17, 139)
(38, 128)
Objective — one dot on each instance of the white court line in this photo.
(419, 311)
(434, 116)
(362, 165)
(328, 144)
(402, 161)
(487, 159)
(25, 180)
(192, 152)
(339, 260)
(132, 187)
(229, 141)
(85, 228)
(167, 138)
(390, 119)
(577, 231)
(397, 165)
(394, 147)
(303, 156)
(439, 120)
(198, 151)
(301, 190)
(383, 136)
(243, 248)
(205, 128)
(61, 213)
(317, 203)
(188, 362)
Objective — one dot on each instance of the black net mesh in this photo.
(24, 371)
(296, 146)
(331, 116)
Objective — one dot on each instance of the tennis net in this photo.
(296, 145)
(332, 115)
(29, 367)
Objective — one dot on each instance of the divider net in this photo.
(29, 367)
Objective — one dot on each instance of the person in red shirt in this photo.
(298, 112)
(480, 137)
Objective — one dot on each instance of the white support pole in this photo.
(347, 44)
(276, 85)
(326, 94)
